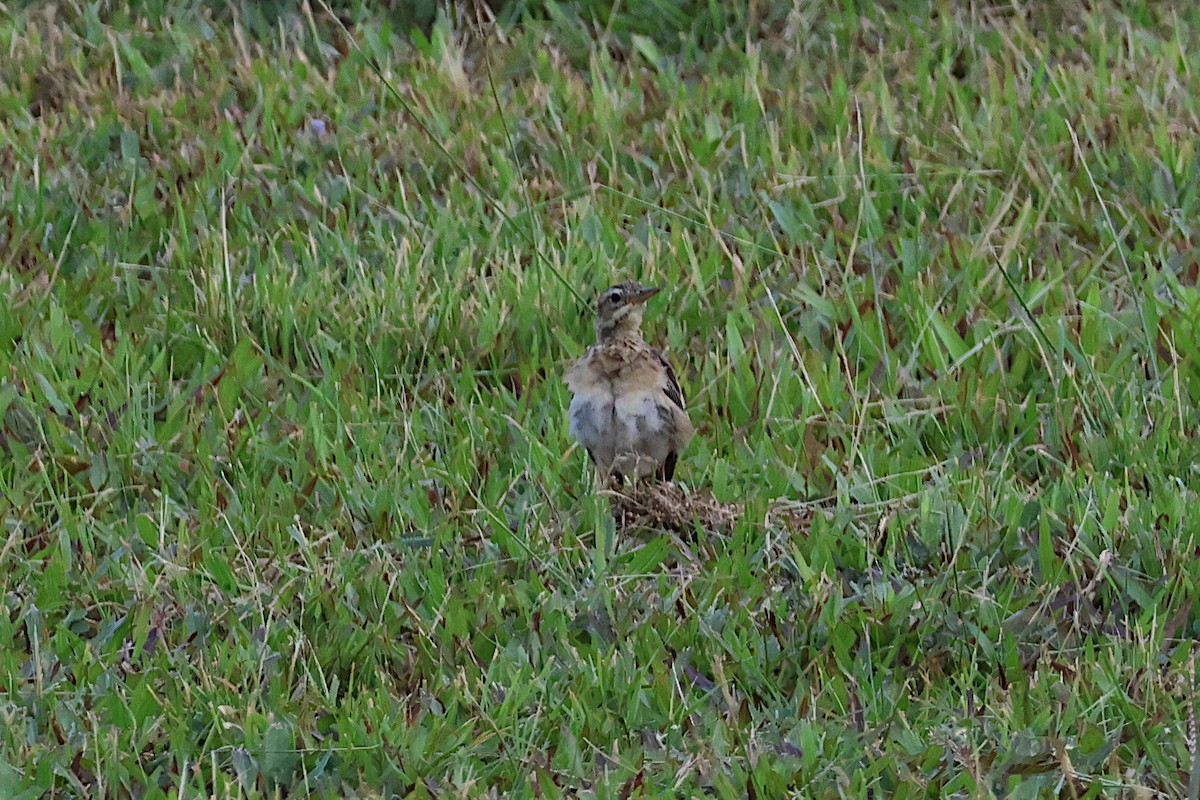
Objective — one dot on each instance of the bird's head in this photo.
(619, 308)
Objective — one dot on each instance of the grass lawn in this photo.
(288, 504)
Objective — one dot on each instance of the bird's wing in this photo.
(672, 390)
(682, 430)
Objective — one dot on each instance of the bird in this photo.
(627, 409)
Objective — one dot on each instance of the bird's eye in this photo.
(615, 296)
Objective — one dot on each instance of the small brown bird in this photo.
(628, 410)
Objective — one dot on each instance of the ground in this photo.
(289, 504)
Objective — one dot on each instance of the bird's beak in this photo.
(644, 295)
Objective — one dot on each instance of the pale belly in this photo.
(631, 435)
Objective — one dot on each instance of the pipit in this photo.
(627, 410)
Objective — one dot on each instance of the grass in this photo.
(289, 502)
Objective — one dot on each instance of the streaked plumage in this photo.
(627, 410)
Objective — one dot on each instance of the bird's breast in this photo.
(591, 421)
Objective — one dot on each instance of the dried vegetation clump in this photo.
(669, 506)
